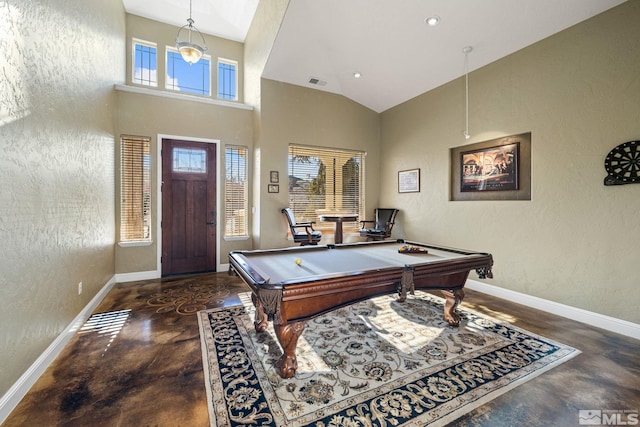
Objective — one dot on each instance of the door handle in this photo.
(212, 222)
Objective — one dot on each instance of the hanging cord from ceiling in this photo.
(466, 51)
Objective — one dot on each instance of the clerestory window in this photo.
(188, 78)
(145, 63)
(227, 79)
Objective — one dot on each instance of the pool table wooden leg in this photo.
(453, 298)
(260, 320)
(288, 335)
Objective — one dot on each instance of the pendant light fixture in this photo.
(190, 51)
(466, 51)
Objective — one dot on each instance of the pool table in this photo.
(292, 285)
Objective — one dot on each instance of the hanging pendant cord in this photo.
(466, 51)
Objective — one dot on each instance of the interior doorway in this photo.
(189, 208)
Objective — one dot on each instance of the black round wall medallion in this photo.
(623, 164)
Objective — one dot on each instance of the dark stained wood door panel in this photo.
(189, 219)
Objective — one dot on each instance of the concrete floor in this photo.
(140, 364)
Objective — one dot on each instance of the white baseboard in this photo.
(14, 395)
(138, 275)
(609, 323)
(149, 275)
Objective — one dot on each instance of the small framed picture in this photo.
(274, 177)
(273, 188)
(409, 181)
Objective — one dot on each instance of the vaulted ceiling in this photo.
(387, 42)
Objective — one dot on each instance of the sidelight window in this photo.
(135, 189)
(236, 192)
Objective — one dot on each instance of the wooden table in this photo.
(338, 219)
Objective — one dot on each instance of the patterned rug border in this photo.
(442, 415)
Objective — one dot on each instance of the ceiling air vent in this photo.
(316, 81)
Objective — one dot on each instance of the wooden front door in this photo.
(189, 214)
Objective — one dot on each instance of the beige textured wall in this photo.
(257, 46)
(258, 43)
(148, 115)
(59, 63)
(576, 241)
(296, 115)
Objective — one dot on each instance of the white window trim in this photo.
(140, 241)
(229, 62)
(134, 42)
(159, 139)
(237, 238)
(132, 243)
(181, 96)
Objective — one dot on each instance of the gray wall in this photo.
(578, 92)
(59, 62)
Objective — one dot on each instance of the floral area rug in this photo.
(374, 363)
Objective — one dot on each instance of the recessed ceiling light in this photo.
(432, 21)
(357, 75)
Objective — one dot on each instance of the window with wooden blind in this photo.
(236, 192)
(135, 189)
(325, 181)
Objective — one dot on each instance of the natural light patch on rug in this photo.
(374, 363)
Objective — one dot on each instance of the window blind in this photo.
(135, 189)
(236, 190)
(325, 180)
